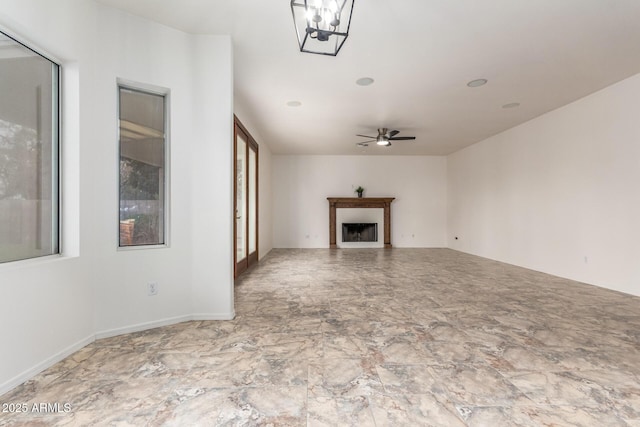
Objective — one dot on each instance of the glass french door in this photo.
(246, 199)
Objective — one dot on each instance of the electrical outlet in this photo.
(152, 289)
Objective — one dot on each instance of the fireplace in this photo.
(364, 202)
(359, 232)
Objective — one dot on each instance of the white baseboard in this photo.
(162, 322)
(45, 364)
(221, 316)
(142, 326)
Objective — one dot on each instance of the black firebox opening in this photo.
(359, 232)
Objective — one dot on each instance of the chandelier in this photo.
(322, 26)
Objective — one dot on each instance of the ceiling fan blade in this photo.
(368, 140)
(402, 138)
(393, 133)
(367, 136)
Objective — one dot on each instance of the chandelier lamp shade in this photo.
(322, 26)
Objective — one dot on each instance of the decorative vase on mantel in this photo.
(359, 190)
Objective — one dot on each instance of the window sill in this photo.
(142, 247)
(34, 262)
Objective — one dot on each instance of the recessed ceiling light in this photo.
(294, 103)
(477, 83)
(511, 105)
(364, 81)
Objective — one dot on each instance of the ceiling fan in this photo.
(384, 138)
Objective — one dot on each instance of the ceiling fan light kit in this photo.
(383, 140)
(322, 26)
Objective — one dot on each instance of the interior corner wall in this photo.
(130, 48)
(59, 304)
(301, 185)
(558, 194)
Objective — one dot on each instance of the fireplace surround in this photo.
(365, 202)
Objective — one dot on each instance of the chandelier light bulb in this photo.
(327, 17)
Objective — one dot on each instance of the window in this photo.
(143, 150)
(29, 179)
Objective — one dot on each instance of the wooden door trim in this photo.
(238, 267)
(251, 258)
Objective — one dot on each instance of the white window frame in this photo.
(166, 93)
(56, 153)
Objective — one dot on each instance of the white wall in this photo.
(211, 163)
(54, 306)
(301, 185)
(265, 201)
(558, 194)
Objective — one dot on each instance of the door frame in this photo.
(240, 266)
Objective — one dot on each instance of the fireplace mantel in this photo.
(360, 202)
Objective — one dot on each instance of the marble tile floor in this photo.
(371, 337)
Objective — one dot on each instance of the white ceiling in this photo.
(422, 53)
